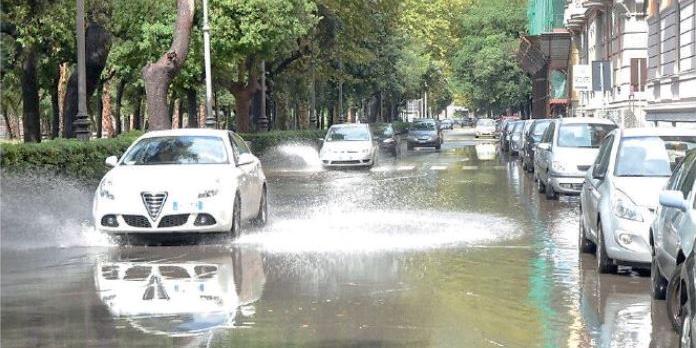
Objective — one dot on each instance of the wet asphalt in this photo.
(450, 248)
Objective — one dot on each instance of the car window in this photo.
(240, 144)
(485, 122)
(602, 161)
(235, 150)
(423, 126)
(177, 150)
(584, 135)
(651, 156)
(538, 129)
(686, 184)
(350, 133)
(548, 134)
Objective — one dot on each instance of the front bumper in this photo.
(423, 142)
(627, 241)
(176, 216)
(348, 161)
(569, 185)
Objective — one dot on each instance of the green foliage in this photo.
(64, 157)
(260, 142)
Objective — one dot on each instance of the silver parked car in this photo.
(566, 151)
(620, 193)
(672, 235)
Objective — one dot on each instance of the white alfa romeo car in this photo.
(184, 180)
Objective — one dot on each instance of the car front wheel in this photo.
(604, 263)
(584, 244)
(675, 304)
(236, 229)
(658, 283)
(262, 216)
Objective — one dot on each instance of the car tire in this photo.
(262, 216)
(236, 228)
(438, 147)
(550, 193)
(584, 245)
(409, 147)
(604, 263)
(675, 308)
(658, 283)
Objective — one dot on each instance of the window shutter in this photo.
(635, 74)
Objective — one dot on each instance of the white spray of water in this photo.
(293, 157)
(373, 231)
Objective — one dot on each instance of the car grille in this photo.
(173, 220)
(154, 202)
(346, 162)
(583, 168)
(136, 221)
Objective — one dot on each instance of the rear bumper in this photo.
(568, 185)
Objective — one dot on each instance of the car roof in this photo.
(658, 131)
(347, 125)
(595, 120)
(186, 132)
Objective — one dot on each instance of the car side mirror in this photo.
(245, 158)
(111, 161)
(673, 199)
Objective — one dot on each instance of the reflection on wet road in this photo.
(447, 249)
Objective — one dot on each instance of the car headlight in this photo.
(208, 193)
(105, 189)
(624, 207)
(388, 141)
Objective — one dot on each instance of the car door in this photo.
(664, 215)
(246, 182)
(596, 185)
(676, 217)
(543, 156)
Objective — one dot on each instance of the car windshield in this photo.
(423, 126)
(348, 134)
(177, 150)
(538, 130)
(383, 130)
(651, 156)
(517, 127)
(485, 122)
(587, 135)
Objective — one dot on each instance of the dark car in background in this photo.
(386, 136)
(516, 137)
(531, 138)
(424, 133)
(506, 133)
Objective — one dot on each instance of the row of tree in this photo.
(321, 61)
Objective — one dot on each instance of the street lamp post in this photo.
(262, 120)
(82, 123)
(209, 118)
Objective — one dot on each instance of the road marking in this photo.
(470, 168)
(438, 168)
(464, 159)
(379, 169)
(499, 167)
(403, 168)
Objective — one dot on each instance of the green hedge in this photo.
(85, 160)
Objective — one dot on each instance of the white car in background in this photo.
(349, 145)
(485, 127)
(184, 180)
(621, 193)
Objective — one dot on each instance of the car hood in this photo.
(420, 133)
(181, 178)
(643, 191)
(346, 145)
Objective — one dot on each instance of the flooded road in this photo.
(433, 249)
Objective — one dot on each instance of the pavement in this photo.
(449, 248)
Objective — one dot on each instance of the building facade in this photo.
(608, 57)
(543, 54)
(671, 86)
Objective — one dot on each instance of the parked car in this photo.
(687, 336)
(531, 139)
(485, 127)
(620, 193)
(424, 133)
(565, 153)
(505, 135)
(349, 145)
(150, 188)
(447, 124)
(516, 137)
(387, 138)
(672, 234)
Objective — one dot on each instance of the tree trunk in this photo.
(176, 114)
(62, 92)
(172, 99)
(8, 125)
(107, 120)
(117, 111)
(100, 109)
(55, 105)
(137, 119)
(97, 46)
(242, 106)
(159, 75)
(192, 109)
(31, 121)
(244, 92)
